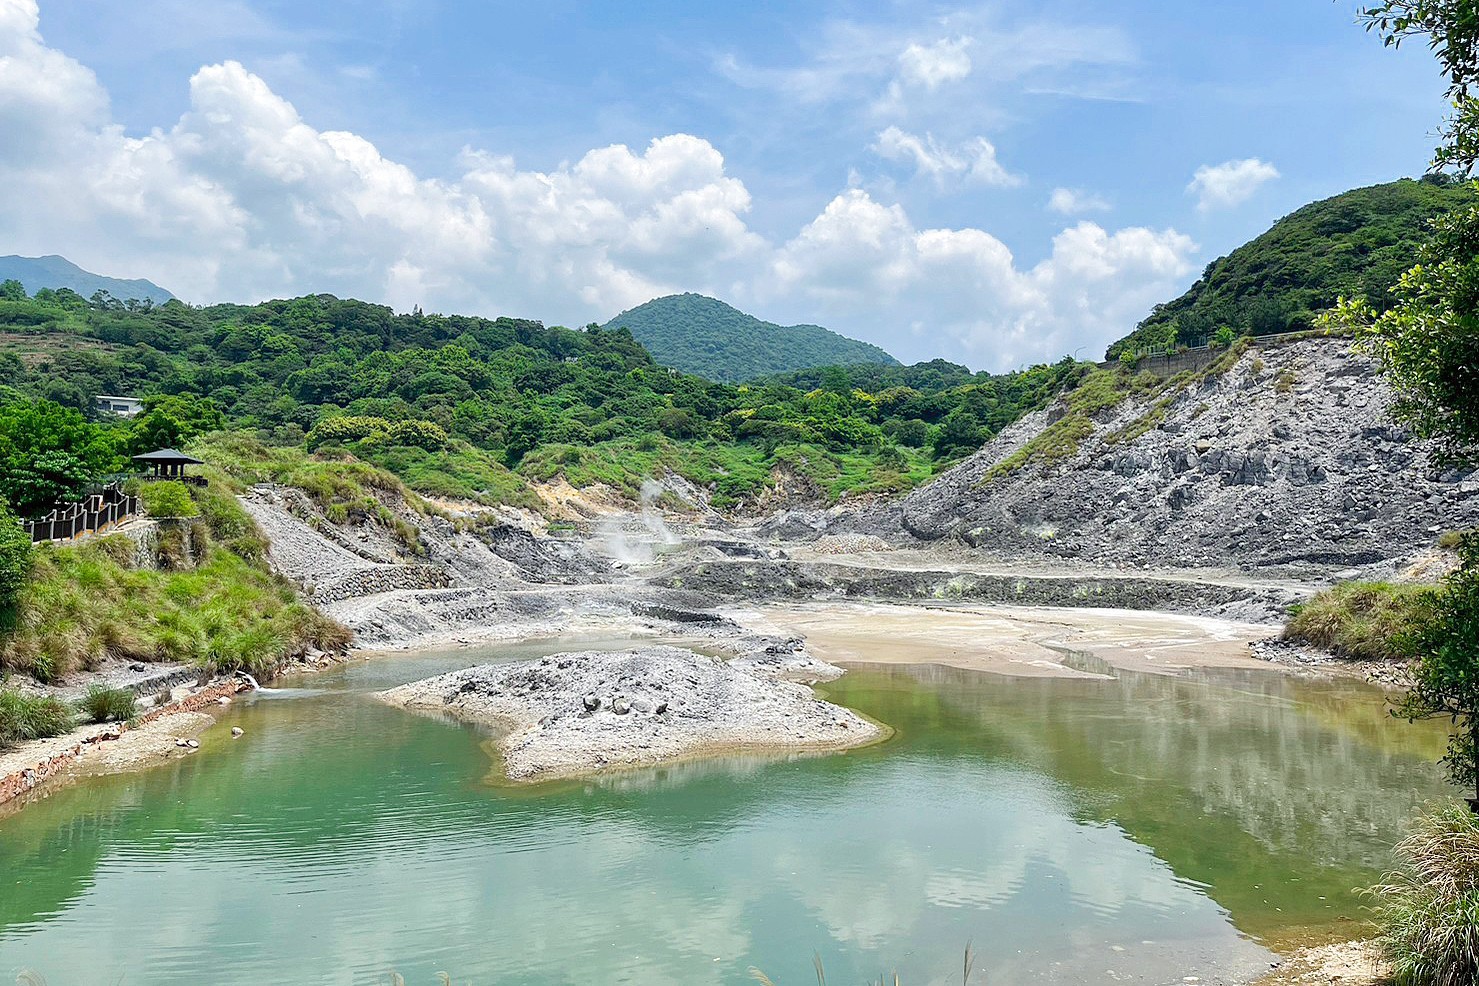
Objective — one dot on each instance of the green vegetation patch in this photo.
(1428, 910)
(1354, 245)
(702, 335)
(1361, 620)
(30, 717)
(102, 704)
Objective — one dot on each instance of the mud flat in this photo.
(1013, 640)
(583, 713)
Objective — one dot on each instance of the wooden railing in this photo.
(98, 512)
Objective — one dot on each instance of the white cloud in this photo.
(932, 65)
(1074, 202)
(1231, 183)
(862, 259)
(242, 199)
(974, 162)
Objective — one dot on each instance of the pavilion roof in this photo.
(166, 456)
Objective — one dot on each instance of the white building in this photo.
(125, 407)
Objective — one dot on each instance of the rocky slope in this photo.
(1288, 459)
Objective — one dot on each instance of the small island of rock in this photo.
(582, 713)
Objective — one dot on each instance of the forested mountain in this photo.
(36, 273)
(467, 406)
(1355, 244)
(701, 335)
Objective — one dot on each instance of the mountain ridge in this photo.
(56, 272)
(1355, 244)
(705, 336)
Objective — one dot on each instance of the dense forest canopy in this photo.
(701, 335)
(470, 406)
(1354, 245)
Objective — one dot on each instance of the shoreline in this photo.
(44, 765)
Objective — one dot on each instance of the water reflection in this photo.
(1067, 827)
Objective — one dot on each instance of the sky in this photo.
(995, 184)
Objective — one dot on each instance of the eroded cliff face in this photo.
(1287, 458)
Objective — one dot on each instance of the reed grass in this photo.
(108, 704)
(30, 717)
(1428, 909)
(1360, 620)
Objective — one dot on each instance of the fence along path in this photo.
(96, 513)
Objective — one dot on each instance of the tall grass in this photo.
(1428, 910)
(29, 717)
(85, 602)
(1360, 620)
(108, 704)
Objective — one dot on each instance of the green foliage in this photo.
(1445, 675)
(1354, 245)
(456, 405)
(168, 499)
(50, 453)
(89, 600)
(170, 420)
(1428, 341)
(1366, 621)
(1428, 909)
(102, 704)
(705, 336)
(15, 563)
(28, 717)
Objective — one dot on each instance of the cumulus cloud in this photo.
(1222, 186)
(932, 65)
(1074, 202)
(861, 258)
(974, 162)
(242, 199)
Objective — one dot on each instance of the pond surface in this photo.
(1140, 829)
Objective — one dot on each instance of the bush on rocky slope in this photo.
(29, 717)
(1362, 620)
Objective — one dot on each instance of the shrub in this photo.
(16, 553)
(168, 498)
(108, 704)
(26, 717)
(1361, 620)
(1428, 910)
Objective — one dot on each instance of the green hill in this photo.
(1355, 244)
(704, 336)
(55, 273)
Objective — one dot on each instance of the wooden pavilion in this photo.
(167, 463)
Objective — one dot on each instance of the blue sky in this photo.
(984, 183)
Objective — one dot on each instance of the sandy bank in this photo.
(583, 713)
(1355, 963)
(108, 748)
(1011, 640)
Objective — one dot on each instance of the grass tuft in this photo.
(1428, 909)
(108, 704)
(1361, 620)
(28, 717)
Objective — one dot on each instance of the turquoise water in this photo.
(1134, 830)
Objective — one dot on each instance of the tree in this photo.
(49, 453)
(12, 290)
(15, 563)
(1452, 30)
(1428, 342)
(1445, 675)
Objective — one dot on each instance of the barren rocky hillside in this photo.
(1287, 458)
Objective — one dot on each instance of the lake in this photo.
(1137, 829)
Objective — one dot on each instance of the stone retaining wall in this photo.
(15, 784)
